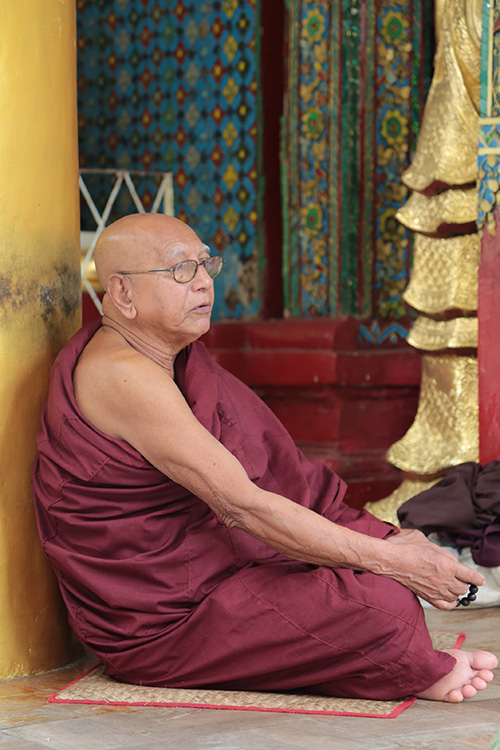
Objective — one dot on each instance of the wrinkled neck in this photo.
(162, 355)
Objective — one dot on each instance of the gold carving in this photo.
(387, 509)
(435, 335)
(444, 275)
(426, 214)
(445, 430)
(447, 144)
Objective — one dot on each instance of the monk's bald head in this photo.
(137, 242)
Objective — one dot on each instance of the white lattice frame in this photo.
(165, 192)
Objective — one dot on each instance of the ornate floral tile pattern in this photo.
(358, 76)
(489, 123)
(173, 86)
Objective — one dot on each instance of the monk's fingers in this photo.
(443, 603)
(454, 589)
(460, 572)
(448, 596)
(469, 575)
(461, 592)
(459, 588)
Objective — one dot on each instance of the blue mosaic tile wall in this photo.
(489, 122)
(173, 86)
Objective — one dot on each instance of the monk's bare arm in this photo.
(134, 400)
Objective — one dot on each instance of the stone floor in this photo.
(28, 722)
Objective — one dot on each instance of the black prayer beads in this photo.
(471, 596)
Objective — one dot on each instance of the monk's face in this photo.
(169, 311)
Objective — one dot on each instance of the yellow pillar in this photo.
(40, 303)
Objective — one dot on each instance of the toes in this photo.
(478, 683)
(469, 691)
(454, 696)
(485, 675)
(483, 660)
(472, 672)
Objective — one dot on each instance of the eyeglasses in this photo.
(186, 270)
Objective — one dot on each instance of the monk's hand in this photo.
(431, 572)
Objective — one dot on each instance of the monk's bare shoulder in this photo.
(129, 396)
(115, 384)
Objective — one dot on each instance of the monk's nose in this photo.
(201, 277)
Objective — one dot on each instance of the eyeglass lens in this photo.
(186, 270)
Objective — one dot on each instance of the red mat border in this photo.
(153, 704)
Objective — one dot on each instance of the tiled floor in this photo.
(28, 722)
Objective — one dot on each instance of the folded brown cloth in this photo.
(463, 508)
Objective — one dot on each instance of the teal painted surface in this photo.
(351, 53)
(174, 86)
(489, 121)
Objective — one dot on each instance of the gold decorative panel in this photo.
(444, 174)
(447, 144)
(444, 275)
(387, 509)
(426, 214)
(434, 335)
(445, 430)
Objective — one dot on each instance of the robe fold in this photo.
(463, 508)
(166, 595)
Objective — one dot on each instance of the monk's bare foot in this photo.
(471, 673)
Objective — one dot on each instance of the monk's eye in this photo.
(185, 271)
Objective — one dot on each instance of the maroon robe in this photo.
(463, 508)
(165, 594)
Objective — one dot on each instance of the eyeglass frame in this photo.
(172, 270)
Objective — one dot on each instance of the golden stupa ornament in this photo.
(454, 259)
(443, 211)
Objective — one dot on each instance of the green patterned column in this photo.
(359, 71)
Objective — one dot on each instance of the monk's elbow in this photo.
(233, 519)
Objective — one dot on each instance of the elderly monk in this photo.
(194, 545)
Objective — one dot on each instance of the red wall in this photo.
(342, 404)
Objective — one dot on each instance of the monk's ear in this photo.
(120, 293)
